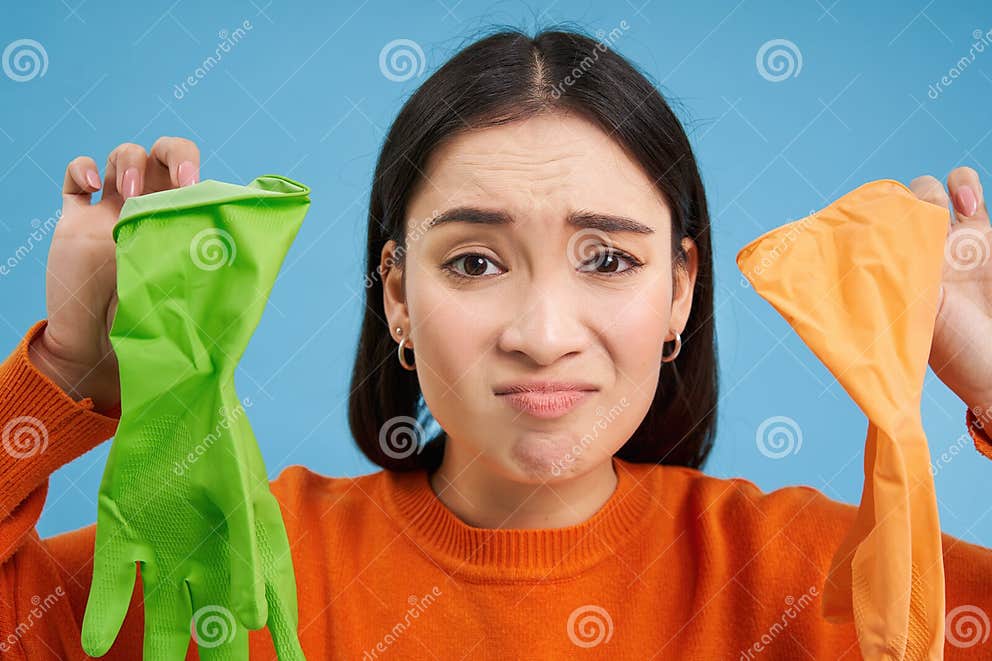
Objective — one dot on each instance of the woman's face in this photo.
(529, 296)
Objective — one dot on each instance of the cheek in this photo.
(635, 331)
(451, 335)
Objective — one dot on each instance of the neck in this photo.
(482, 498)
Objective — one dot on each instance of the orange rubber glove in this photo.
(859, 282)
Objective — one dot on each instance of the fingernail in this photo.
(187, 173)
(93, 179)
(130, 183)
(966, 201)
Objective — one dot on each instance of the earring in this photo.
(399, 351)
(678, 347)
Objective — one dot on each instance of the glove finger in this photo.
(231, 494)
(168, 617)
(216, 631)
(280, 581)
(111, 588)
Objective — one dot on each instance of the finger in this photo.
(82, 179)
(175, 163)
(216, 631)
(247, 583)
(110, 590)
(247, 590)
(168, 615)
(125, 173)
(280, 580)
(929, 189)
(966, 191)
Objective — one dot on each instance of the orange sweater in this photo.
(677, 564)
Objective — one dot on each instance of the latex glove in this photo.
(859, 282)
(185, 492)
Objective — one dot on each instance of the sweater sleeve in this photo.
(44, 583)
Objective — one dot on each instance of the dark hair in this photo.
(501, 78)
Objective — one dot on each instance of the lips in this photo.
(544, 386)
(545, 399)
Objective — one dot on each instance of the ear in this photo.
(393, 296)
(684, 285)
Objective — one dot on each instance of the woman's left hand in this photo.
(961, 351)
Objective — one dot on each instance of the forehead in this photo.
(548, 162)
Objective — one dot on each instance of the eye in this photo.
(607, 262)
(474, 266)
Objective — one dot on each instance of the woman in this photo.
(540, 279)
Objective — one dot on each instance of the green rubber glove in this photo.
(185, 492)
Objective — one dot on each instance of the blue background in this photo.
(303, 95)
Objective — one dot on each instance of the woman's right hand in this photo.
(81, 278)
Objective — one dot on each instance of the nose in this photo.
(546, 321)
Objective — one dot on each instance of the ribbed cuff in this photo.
(41, 426)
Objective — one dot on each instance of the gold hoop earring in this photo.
(400, 354)
(678, 347)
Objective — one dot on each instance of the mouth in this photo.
(547, 399)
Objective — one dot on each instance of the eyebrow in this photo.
(581, 219)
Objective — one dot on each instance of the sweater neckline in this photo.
(518, 554)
